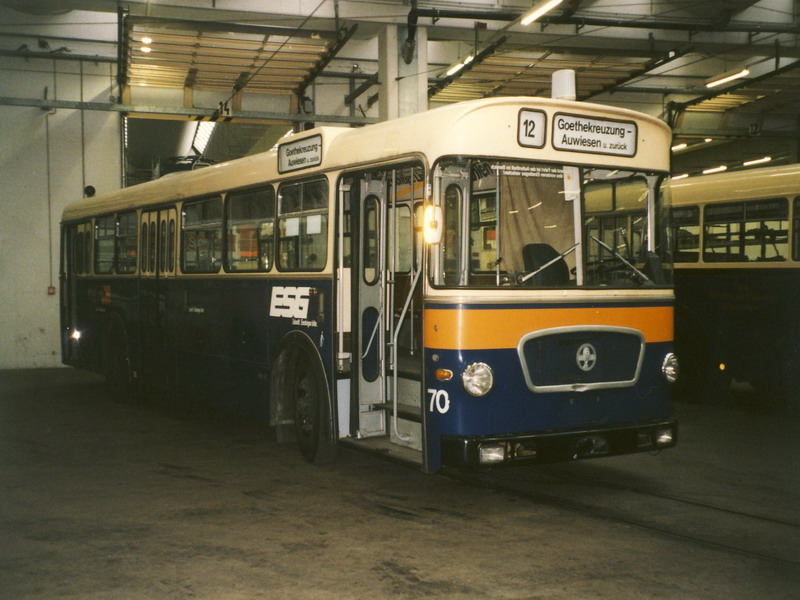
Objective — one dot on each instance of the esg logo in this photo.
(290, 302)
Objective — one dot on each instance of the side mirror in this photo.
(432, 224)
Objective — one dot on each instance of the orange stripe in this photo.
(470, 329)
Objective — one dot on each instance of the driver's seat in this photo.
(534, 256)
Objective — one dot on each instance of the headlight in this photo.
(477, 379)
(670, 368)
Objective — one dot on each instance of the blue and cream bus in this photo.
(737, 279)
(435, 289)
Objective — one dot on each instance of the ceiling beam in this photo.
(192, 113)
(674, 109)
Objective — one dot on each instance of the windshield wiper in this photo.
(523, 278)
(619, 257)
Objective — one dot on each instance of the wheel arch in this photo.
(294, 346)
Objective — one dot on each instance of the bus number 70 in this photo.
(439, 399)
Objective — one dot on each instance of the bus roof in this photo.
(461, 128)
(748, 184)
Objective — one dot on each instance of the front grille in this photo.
(581, 358)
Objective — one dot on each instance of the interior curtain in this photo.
(533, 211)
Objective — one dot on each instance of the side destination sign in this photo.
(300, 154)
(594, 136)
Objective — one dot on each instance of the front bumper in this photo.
(473, 451)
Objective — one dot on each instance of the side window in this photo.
(722, 239)
(796, 230)
(686, 233)
(766, 230)
(162, 260)
(451, 240)
(82, 248)
(250, 229)
(202, 236)
(303, 226)
(104, 228)
(171, 247)
(77, 252)
(482, 233)
(152, 248)
(143, 246)
(127, 243)
(746, 231)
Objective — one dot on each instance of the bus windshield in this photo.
(528, 224)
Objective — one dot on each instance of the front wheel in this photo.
(307, 391)
(119, 382)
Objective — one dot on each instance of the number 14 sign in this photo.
(532, 128)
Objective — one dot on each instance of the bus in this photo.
(434, 289)
(737, 261)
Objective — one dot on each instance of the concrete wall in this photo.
(46, 159)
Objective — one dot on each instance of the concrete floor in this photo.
(103, 500)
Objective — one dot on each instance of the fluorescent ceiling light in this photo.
(757, 161)
(718, 169)
(454, 69)
(681, 176)
(538, 10)
(202, 135)
(728, 78)
(458, 66)
(680, 146)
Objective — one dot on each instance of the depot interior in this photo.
(108, 94)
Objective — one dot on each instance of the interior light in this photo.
(708, 140)
(681, 176)
(718, 169)
(728, 78)
(147, 40)
(757, 161)
(538, 10)
(146, 49)
(680, 146)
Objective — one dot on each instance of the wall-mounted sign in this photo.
(300, 154)
(596, 136)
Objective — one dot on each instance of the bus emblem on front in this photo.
(586, 357)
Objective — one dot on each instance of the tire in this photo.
(306, 390)
(119, 382)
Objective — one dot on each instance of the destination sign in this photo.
(595, 136)
(300, 154)
(531, 128)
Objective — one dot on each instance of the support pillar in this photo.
(403, 87)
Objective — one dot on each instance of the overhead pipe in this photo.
(570, 18)
(439, 13)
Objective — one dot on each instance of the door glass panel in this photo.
(370, 226)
